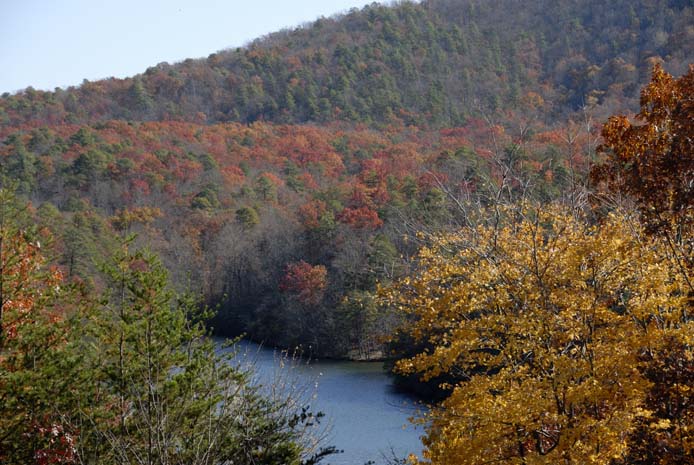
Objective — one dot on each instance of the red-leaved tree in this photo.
(306, 282)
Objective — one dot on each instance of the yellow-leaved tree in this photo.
(544, 319)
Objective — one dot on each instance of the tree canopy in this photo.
(566, 337)
(544, 320)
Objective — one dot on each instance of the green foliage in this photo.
(206, 199)
(383, 257)
(265, 188)
(208, 162)
(141, 100)
(171, 397)
(86, 241)
(124, 165)
(134, 378)
(40, 362)
(360, 326)
(335, 196)
(88, 167)
(21, 165)
(248, 217)
(426, 63)
(84, 137)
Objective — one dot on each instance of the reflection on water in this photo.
(368, 418)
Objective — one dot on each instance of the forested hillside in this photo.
(432, 64)
(232, 208)
(236, 210)
(563, 334)
(433, 183)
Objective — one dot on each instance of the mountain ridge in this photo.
(433, 63)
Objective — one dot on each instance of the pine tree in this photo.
(166, 396)
(40, 376)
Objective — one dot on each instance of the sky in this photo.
(58, 43)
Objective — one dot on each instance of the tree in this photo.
(542, 319)
(653, 163)
(248, 217)
(206, 199)
(125, 218)
(304, 317)
(39, 360)
(665, 437)
(21, 165)
(266, 186)
(305, 281)
(141, 100)
(132, 378)
(165, 395)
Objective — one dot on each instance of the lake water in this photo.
(368, 419)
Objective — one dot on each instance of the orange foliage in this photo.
(305, 281)
(233, 176)
(21, 262)
(361, 218)
(654, 162)
(311, 212)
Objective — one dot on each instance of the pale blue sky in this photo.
(57, 43)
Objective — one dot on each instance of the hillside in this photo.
(434, 63)
(283, 180)
(232, 208)
(495, 198)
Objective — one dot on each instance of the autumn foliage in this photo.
(408, 63)
(568, 339)
(129, 376)
(305, 281)
(544, 320)
(286, 179)
(35, 333)
(653, 162)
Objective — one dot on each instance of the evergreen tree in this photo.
(40, 376)
(165, 395)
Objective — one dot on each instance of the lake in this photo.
(367, 417)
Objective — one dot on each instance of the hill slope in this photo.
(380, 123)
(430, 63)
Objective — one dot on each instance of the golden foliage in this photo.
(543, 319)
(653, 163)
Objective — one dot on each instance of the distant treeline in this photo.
(434, 63)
